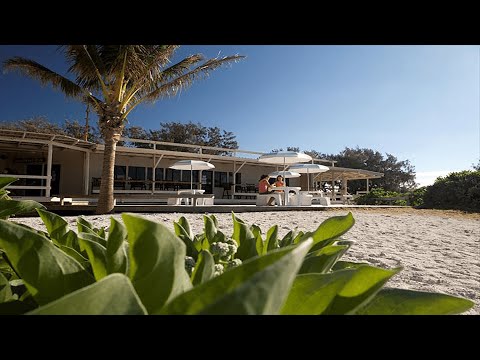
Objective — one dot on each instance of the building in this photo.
(49, 165)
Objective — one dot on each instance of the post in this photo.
(49, 169)
(86, 123)
(153, 175)
(367, 185)
(344, 186)
(86, 173)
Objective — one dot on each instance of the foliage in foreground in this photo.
(9, 207)
(141, 267)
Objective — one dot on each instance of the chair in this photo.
(227, 188)
(262, 199)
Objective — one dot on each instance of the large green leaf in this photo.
(287, 239)
(210, 229)
(321, 261)
(184, 235)
(5, 289)
(204, 268)
(360, 289)
(12, 207)
(259, 243)
(93, 237)
(76, 255)
(340, 265)
(183, 222)
(271, 241)
(47, 271)
(157, 262)
(258, 286)
(70, 239)
(117, 261)
(5, 181)
(246, 240)
(311, 294)
(83, 225)
(331, 229)
(113, 295)
(97, 255)
(411, 302)
(56, 226)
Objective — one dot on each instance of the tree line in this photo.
(189, 133)
(399, 175)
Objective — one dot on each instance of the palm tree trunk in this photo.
(105, 200)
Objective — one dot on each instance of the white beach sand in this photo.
(439, 250)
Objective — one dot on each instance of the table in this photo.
(286, 190)
(189, 200)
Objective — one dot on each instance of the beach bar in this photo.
(52, 166)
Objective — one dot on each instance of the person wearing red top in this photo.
(264, 187)
(279, 182)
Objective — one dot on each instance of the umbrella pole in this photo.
(308, 181)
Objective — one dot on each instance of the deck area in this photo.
(226, 208)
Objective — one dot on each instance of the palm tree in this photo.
(115, 79)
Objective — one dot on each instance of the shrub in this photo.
(139, 267)
(415, 198)
(378, 196)
(457, 190)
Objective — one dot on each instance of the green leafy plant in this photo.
(9, 207)
(141, 267)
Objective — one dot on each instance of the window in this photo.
(136, 173)
(172, 175)
(158, 174)
(221, 178)
(186, 175)
(119, 172)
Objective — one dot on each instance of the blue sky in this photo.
(419, 103)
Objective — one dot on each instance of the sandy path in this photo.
(439, 250)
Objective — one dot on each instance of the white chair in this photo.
(262, 199)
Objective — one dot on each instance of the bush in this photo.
(141, 267)
(457, 190)
(378, 196)
(415, 198)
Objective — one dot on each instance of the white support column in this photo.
(86, 173)
(153, 175)
(155, 164)
(49, 169)
(367, 185)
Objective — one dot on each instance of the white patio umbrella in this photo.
(192, 165)
(284, 157)
(307, 169)
(285, 174)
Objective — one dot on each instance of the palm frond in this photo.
(177, 82)
(83, 66)
(44, 75)
(156, 58)
(183, 81)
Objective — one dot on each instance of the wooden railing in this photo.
(26, 187)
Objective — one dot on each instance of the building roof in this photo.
(158, 148)
(18, 137)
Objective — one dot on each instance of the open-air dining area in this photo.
(62, 170)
